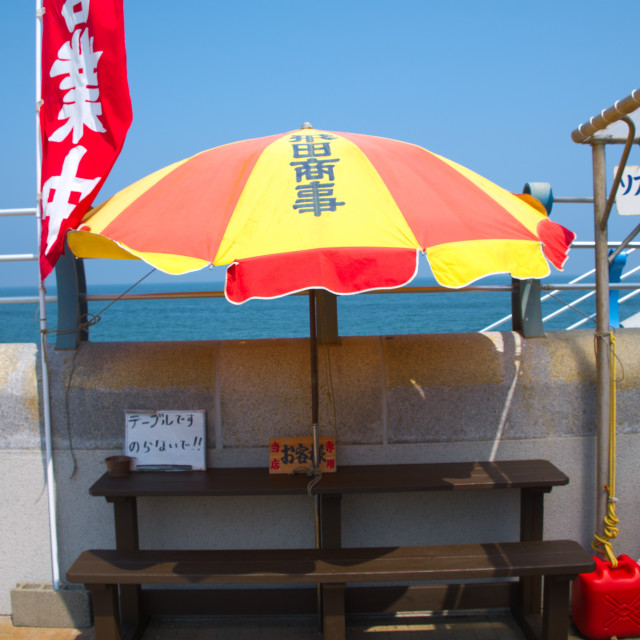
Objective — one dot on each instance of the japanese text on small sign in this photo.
(166, 438)
(295, 455)
(628, 194)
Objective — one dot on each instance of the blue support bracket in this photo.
(526, 309)
(615, 276)
(72, 304)
(540, 191)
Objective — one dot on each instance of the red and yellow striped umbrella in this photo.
(319, 209)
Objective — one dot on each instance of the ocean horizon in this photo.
(449, 311)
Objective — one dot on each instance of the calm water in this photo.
(216, 319)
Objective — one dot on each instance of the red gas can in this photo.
(606, 602)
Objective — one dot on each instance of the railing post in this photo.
(72, 306)
(526, 310)
(603, 343)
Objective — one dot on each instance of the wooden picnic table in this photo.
(533, 479)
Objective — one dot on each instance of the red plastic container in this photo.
(606, 602)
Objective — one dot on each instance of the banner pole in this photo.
(46, 401)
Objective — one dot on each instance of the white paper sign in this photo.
(628, 195)
(166, 439)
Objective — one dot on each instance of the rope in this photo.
(313, 482)
(93, 319)
(74, 468)
(602, 543)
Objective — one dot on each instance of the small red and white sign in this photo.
(295, 455)
(85, 111)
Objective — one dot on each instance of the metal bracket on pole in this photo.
(541, 191)
(624, 244)
(621, 168)
(583, 134)
(72, 305)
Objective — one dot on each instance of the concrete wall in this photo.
(386, 399)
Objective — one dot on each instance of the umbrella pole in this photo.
(313, 341)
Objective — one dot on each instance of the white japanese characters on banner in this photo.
(628, 194)
(85, 112)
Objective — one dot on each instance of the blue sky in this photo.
(496, 86)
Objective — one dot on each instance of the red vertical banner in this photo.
(85, 111)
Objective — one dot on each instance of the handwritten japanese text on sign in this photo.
(295, 455)
(166, 438)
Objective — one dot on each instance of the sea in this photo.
(447, 311)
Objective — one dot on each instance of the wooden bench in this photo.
(531, 479)
(558, 561)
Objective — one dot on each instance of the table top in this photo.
(236, 481)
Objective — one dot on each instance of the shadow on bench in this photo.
(557, 561)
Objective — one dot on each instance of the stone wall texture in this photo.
(386, 399)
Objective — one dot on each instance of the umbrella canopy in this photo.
(319, 209)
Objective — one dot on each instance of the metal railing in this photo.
(552, 289)
(17, 257)
(548, 291)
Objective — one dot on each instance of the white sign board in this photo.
(166, 439)
(628, 195)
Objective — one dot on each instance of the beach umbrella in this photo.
(312, 209)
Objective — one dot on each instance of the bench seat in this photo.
(558, 561)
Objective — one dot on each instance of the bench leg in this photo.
(333, 623)
(531, 528)
(330, 538)
(555, 611)
(554, 622)
(133, 620)
(106, 621)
